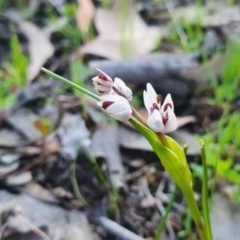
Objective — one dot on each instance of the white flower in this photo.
(116, 106)
(160, 118)
(120, 88)
(102, 83)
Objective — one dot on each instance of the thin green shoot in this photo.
(231, 71)
(70, 29)
(18, 62)
(165, 217)
(125, 47)
(205, 204)
(97, 169)
(14, 74)
(114, 199)
(187, 222)
(69, 10)
(76, 191)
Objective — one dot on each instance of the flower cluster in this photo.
(115, 98)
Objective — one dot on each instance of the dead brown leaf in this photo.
(84, 14)
(40, 47)
(122, 33)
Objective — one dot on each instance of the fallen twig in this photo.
(117, 230)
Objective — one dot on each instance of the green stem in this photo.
(69, 83)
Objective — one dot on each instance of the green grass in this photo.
(183, 33)
(223, 142)
(79, 72)
(14, 74)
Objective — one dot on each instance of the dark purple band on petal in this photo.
(154, 107)
(118, 92)
(105, 105)
(164, 119)
(103, 77)
(166, 106)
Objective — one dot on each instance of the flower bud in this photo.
(121, 89)
(116, 106)
(102, 83)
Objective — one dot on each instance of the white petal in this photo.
(113, 98)
(146, 102)
(102, 82)
(120, 110)
(102, 88)
(122, 116)
(151, 93)
(99, 103)
(119, 83)
(121, 86)
(171, 124)
(155, 121)
(167, 100)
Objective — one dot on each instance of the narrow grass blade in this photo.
(205, 204)
(164, 218)
(76, 191)
(97, 169)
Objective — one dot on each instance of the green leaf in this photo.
(233, 176)
(205, 204)
(177, 167)
(177, 149)
(173, 163)
(223, 166)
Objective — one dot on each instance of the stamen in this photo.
(158, 98)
